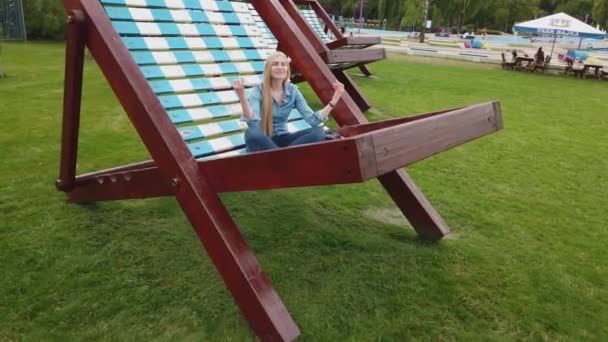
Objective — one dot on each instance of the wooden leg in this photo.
(365, 70)
(236, 263)
(76, 37)
(223, 242)
(413, 204)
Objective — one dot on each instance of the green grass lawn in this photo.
(527, 260)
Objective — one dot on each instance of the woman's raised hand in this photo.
(239, 87)
(338, 91)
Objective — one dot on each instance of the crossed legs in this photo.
(256, 140)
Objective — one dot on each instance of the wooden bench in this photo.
(171, 64)
(505, 64)
(540, 64)
(577, 72)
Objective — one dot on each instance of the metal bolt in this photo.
(174, 182)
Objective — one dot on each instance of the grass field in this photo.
(527, 259)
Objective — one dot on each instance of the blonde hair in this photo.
(266, 123)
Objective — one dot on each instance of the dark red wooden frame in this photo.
(369, 150)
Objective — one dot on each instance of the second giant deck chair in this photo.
(338, 60)
(312, 11)
(170, 64)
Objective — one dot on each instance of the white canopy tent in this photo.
(561, 25)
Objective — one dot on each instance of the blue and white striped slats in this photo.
(191, 51)
(269, 38)
(313, 20)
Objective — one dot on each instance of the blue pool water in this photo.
(491, 38)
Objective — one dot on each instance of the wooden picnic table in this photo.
(596, 72)
(519, 60)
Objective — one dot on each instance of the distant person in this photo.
(539, 57)
(342, 30)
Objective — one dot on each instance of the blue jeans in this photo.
(256, 140)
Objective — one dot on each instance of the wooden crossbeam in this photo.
(375, 152)
(361, 42)
(349, 131)
(406, 143)
(353, 56)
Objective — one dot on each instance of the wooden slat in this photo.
(198, 99)
(197, 70)
(207, 130)
(207, 5)
(180, 116)
(192, 43)
(198, 84)
(177, 16)
(184, 30)
(208, 56)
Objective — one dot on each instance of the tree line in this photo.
(45, 19)
(469, 15)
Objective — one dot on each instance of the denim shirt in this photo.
(292, 98)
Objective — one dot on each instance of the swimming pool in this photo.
(490, 38)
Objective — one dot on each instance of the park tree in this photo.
(391, 10)
(1, 40)
(44, 19)
(467, 9)
(547, 7)
(600, 13)
(412, 12)
(575, 8)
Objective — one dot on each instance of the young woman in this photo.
(269, 104)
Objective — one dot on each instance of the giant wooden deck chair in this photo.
(312, 11)
(170, 64)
